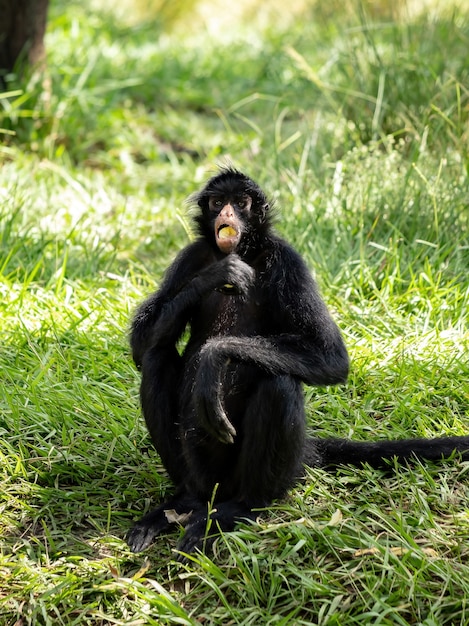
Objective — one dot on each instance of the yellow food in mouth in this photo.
(226, 232)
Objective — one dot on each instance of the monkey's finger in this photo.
(213, 418)
(221, 427)
(226, 434)
(225, 431)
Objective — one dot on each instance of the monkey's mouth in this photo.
(225, 231)
(227, 237)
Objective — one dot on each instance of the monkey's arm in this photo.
(162, 318)
(291, 355)
(306, 342)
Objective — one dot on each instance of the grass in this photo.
(357, 123)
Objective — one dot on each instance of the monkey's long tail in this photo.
(333, 452)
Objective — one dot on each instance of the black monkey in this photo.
(227, 415)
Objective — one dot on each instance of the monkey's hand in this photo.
(235, 276)
(212, 416)
(207, 394)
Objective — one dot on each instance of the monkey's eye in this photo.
(244, 203)
(215, 204)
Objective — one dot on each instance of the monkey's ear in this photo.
(262, 211)
(200, 200)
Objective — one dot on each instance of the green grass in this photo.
(357, 124)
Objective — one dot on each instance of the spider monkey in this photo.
(226, 413)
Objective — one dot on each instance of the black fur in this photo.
(227, 416)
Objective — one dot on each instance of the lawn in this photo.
(354, 117)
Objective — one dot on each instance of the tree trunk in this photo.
(22, 28)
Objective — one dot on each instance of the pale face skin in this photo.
(228, 225)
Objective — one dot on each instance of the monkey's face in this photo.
(230, 217)
(233, 212)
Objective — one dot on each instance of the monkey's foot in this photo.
(177, 510)
(140, 536)
(201, 533)
(143, 532)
